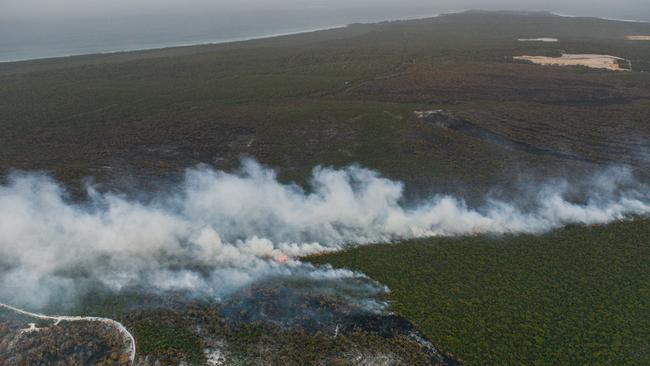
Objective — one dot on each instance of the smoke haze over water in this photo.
(221, 231)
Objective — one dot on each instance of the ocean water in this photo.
(43, 38)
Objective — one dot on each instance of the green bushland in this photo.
(345, 96)
(168, 343)
(576, 296)
(335, 97)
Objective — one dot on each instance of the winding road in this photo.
(57, 318)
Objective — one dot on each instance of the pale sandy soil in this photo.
(638, 38)
(593, 61)
(538, 40)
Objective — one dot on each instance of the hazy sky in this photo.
(18, 10)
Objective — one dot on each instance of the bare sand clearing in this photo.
(638, 38)
(538, 40)
(593, 61)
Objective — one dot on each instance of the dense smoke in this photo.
(221, 231)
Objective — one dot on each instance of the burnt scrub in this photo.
(28, 341)
(281, 321)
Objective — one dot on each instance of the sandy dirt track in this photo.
(57, 319)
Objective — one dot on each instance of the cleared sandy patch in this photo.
(538, 39)
(638, 38)
(592, 61)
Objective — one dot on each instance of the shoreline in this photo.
(180, 44)
(224, 40)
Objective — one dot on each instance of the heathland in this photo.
(133, 122)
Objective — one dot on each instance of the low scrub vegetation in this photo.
(577, 296)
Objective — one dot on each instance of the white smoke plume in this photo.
(221, 231)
